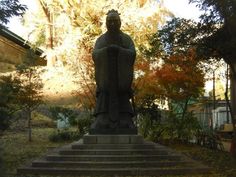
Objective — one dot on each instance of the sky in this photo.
(180, 8)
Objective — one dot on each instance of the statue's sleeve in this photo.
(100, 61)
(126, 60)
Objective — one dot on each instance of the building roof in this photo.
(18, 40)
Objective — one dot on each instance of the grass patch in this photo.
(39, 120)
(17, 151)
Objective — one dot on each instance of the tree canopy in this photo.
(218, 23)
(10, 8)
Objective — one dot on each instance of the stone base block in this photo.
(113, 139)
(118, 131)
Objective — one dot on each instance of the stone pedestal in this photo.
(118, 131)
(113, 139)
(113, 155)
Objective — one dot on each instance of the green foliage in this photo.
(216, 11)
(149, 117)
(4, 119)
(187, 127)
(10, 8)
(177, 35)
(9, 86)
(149, 107)
(83, 124)
(209, 139)
(29, 96)
(181, 128)
(213, 37)
(29, 84)
(150, 129)
(219, 26)
(171, 128)
(8, 89)
(66, 135)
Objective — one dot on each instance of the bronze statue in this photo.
(113, 55)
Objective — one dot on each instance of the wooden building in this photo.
(13, 49)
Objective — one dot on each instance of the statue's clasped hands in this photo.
(113, 48)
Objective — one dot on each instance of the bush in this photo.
(66, 135)
(4, 119)
(8, 89)
(172, 128)
(152, 130)
(83, 124)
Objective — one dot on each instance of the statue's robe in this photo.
(114, 75)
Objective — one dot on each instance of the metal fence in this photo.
(218, 118)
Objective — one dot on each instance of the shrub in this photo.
(172, 128)
(66, 135)
(4, 119)
(1, 162)
(8, 89)
(83, 124)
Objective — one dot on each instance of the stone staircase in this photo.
(113, 155)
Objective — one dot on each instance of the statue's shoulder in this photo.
(100, 41)
(102, 37)
(124, 35)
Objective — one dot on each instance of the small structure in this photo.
(62, 122)
(220, 117)
(204, 112)
(226, 134)
(13, 49)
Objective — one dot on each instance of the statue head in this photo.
(113, 21)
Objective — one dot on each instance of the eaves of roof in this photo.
(17, 39)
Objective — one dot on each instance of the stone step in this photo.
(140, 158)
(110, 164)
(113, 139)
(114, 146)
(112, 152)
(113, 171)
(112, 157)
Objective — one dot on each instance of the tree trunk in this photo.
(214, 98)
(29, 126)
(233, 106)
(50, 32)
(226, 92)
(233, 90)
(185, 107)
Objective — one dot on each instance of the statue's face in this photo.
(113, 22)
